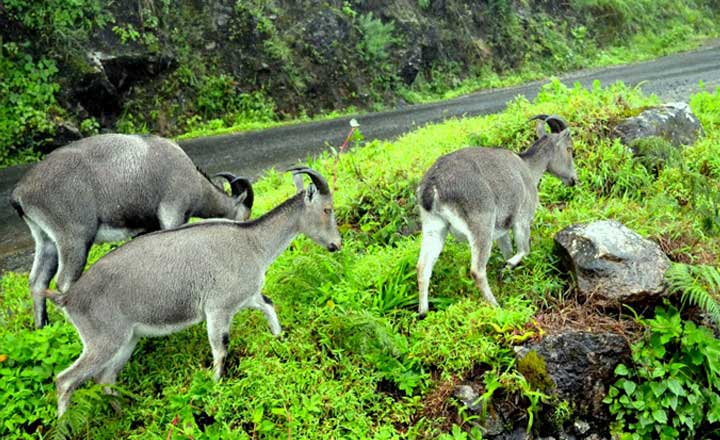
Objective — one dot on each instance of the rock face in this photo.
(674, 122)
(101, 91)
(580, 367)
(612, 263)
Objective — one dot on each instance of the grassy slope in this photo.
(354, 361)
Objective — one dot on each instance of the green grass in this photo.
(218, 127)
(354, 361)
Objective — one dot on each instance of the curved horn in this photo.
(227, 176)
(556, 123)
(319, 181)
(240, 185)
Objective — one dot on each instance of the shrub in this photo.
(672, 388)
(27, 100)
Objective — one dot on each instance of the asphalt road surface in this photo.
(672, 78)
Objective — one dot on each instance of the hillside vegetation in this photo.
(354, 361)
(72, 68)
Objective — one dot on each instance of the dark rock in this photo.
(581, 366)
(220, 14)
(516, 434)
(411, 66)
(612, 263)
(64, 134)
(100, 91)
(325, 31)
(674, 122)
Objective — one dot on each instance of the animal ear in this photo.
(298, 181)
(310, 192)
(565, 133)
(245, 198)
(540, 128)
(242, 191)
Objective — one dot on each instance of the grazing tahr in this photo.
(163, 282)
(112, 187)
(480, 194)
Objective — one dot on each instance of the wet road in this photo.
(672, 78)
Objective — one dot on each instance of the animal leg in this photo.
(44, 267)
(171, 216)
(218, 328)
(522, 243)
(89, 364)
(73, 252)
(108, 375)
(505, 245)
(480, 248)
(434, 232)
(261, 302)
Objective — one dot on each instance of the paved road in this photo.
(672, 78)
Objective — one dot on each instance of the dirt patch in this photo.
(590, 315)
(438, 405)
(685, 249)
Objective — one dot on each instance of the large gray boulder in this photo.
(612, 263)
(674, 122)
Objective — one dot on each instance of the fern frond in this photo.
(698, 285)
(87, 403)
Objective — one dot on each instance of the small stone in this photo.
(467, 395)
(581, 426)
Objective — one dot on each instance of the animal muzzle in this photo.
(332, 247)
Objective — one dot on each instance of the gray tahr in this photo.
(480, 194)
(163, 282)
(112, 187)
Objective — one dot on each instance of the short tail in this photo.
(15, 203)
(426, 194)
(59, 299)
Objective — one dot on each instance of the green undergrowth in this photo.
(216, 127)
(354, 360)
(672, 388)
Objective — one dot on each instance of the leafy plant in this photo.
(377, 37)
(672, 388)
(90, 126)
(27, 372)
(27, 100)
(126, 33)
(698, 285)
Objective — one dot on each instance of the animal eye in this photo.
(328, 211)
